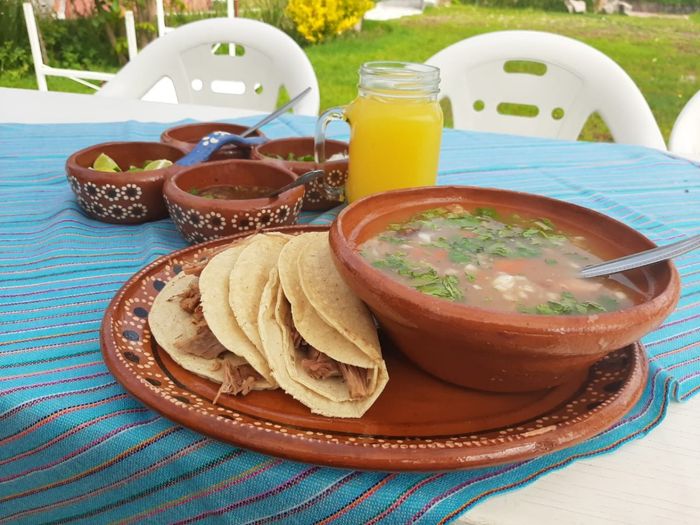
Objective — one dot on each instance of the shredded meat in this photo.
(238, 379)
(202, 344)
(356, 379)
(190, 298)
(319, 366)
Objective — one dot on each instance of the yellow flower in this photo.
(316, 20)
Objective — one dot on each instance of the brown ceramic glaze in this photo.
(123, 197)
(488, 349)
(187, 136)
(418, 423)
(200, 219)
(316, 197)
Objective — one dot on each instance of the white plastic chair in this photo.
(270, 59)
(685, 136)
(574, 80)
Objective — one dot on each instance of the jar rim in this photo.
(405, 77)
(398, 67)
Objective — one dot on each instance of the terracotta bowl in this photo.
(201, 219)
(187, 136)
(316, 198)
(126, 197)
(488, 349)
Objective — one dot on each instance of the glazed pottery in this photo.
(199, 219)
(122, 197)
(316, 197)
(488, 349)
(187, 136)
(418, 423)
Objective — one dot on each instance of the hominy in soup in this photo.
(498, 261)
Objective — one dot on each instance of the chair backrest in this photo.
(556, 81)
(251, 78)
(685, 136)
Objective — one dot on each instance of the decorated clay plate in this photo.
(418, 423)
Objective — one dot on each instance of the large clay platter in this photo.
(419, 423)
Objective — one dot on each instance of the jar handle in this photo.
(336, 113)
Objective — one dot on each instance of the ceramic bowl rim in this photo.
(259, 156)
(172, 140)
(195, 201)
(76, 169)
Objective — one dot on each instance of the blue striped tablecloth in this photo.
(76, 448)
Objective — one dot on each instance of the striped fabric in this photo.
(76, 448)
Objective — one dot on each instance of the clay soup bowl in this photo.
(122, 197)
(489, 349)
(199, 218)
(316, 198)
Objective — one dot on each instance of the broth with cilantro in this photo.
(496, 261)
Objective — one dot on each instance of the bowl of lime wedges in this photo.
(122, 182)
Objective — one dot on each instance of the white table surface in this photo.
(653, 480)
(35, 107)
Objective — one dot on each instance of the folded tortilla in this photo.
(191, 344)
(214, 289)
(335, 373)
(247, 279)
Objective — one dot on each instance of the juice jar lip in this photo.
(398, 67)
(400, 78)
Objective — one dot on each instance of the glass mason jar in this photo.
(395, 128)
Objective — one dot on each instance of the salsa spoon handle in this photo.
(645, 258)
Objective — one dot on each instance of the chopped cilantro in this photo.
(566, 305)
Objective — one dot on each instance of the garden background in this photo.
(659, 50)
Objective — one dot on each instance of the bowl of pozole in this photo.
(480, 287)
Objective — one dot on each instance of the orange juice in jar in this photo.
(395, 128)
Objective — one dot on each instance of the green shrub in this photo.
(77, 43)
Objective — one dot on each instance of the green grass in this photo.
(660, 54)
(54, 83)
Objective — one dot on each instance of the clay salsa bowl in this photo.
(122, 197)
(187, 136)
(316, 198)
(489, 349)
(199, 218)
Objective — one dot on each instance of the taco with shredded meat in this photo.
(319, 339)
(191, 320)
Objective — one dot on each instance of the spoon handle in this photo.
(272, 116)
(303, 179)
(642, 259)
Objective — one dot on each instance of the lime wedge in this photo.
(105, 163)
(157, 164)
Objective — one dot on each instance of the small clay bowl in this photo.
(489, 349)
(316, 198)
(187, 136)
(200, 219)
(122, 197)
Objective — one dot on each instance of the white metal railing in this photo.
(43, 70)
